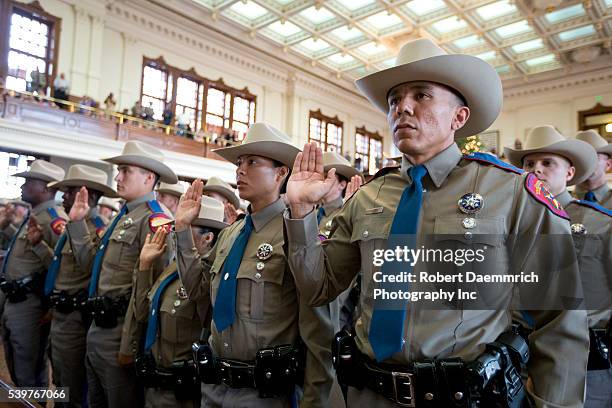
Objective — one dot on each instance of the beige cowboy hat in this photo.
(146, 156)
(176, 189)
(22, 203)
(212, 213)
(110, 203)
(215, 184)
(262, 140)
(593, 138)
(81, 175)
(546, 139)
(43, 170)
(422, 60)
(343, 167)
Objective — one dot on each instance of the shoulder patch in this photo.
(486, 158)
(99, 224)
(538, 190)
(159, 220)
(58, 224)
(594, 206)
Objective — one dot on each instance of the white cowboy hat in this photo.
(176, 189)
(215, 184)
(146, 156)
(110, 203)
(262, 140)
(546, 139)
(212, 213)
(43, 170)
(422, 60)
(343, 167)
(81, 175)
(593, 138)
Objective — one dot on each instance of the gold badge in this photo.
(264, 251)
(578, 229)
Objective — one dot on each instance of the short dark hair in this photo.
(205, 230)
(277, 164)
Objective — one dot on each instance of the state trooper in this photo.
(595, 188)
(112, 339)
(175, 320)
(409, 353)
(30, 252)
(67, 281)
(264, 337)
(559, 162)
(169, 195)
(222, 191)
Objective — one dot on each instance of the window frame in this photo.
(369, 135)
(318, 115)
(34, 11)
(201, 110)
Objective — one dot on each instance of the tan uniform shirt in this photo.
(509, 224)
(603, 194)
(180, 319)
(331, 209)
(269, 311)
(120, 263)
(72, 276)
(594, 249)
(26, 259)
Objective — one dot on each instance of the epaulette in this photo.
(158, 219)
(538, 190)
(594, 206)
(99, 224)
(58, 224)
(382, 172)
(493, 160)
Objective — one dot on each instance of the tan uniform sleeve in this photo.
(84, 244)
(193, 269)
(44, 249)
(316, 330)
(9, 231)
(133, 328)
(320, 277)
(142, 285)
(559, 344)
(44, 252)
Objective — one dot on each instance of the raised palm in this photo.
(189, 205)
(80, 207)
(308, 185)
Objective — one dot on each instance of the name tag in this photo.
(375, 210)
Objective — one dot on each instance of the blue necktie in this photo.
(387, 327)
(225, 304)
(590, 196)
(154, 313)
(13, 240)
(55, 265)
(320, 214)
(97, 263)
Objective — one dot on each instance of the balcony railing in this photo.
(42, 111)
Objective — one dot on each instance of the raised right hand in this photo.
(80, 207)
(308, 185)
(7, 216)
(189, 206)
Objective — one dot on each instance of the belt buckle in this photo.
(403, 382)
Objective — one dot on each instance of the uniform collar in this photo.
(93, 212)
(438, 167)
(132, 205)
(564, 198)
(265, 215)
(43, 206)
(600, 192)
(332, 206)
